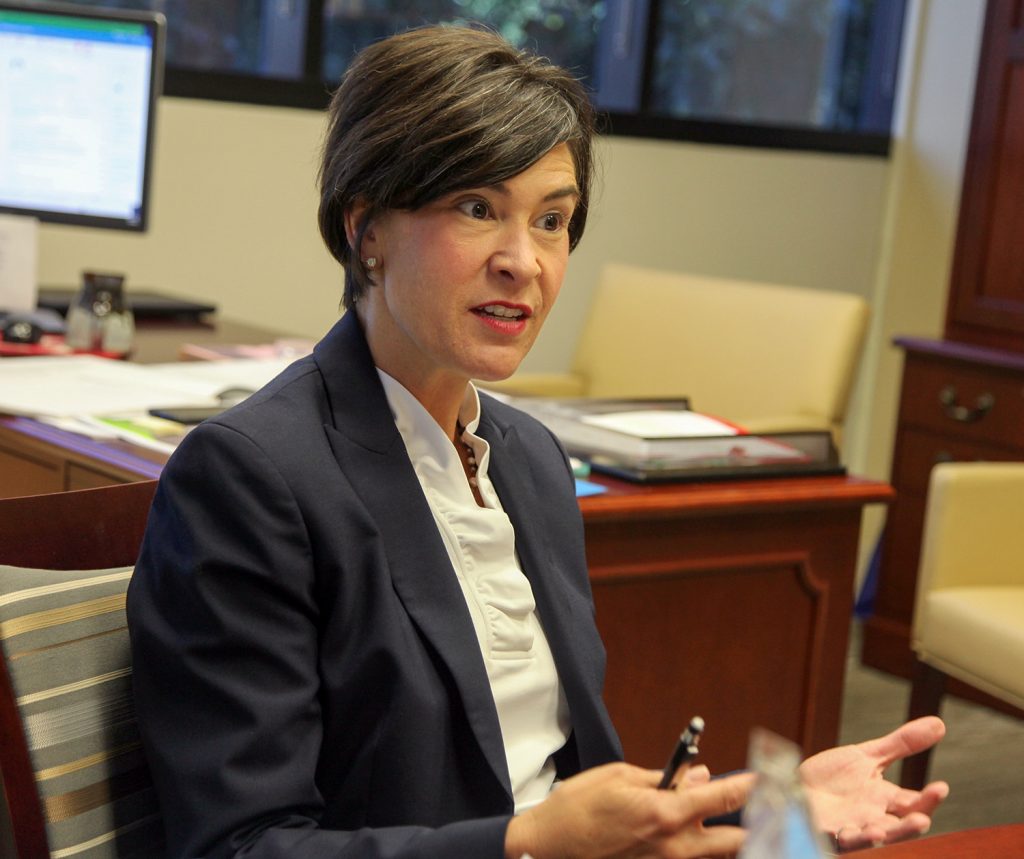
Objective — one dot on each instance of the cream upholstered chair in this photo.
(767, 357)
(969, 613)
(75, 782)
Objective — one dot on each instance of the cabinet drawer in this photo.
(22, 474)
(918, 451)
(950, 399)
(80, 477)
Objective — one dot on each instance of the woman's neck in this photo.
(439, 392)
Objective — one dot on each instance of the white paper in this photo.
(661, 424)
(88, 385)
(18, 258)
(76, 385)
(211, 377)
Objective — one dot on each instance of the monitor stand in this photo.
(19, 258)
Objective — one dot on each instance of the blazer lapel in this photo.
(372, 455)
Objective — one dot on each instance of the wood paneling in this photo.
(22, 473)
(986, 299)
(713, 600)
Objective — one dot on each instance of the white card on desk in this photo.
(669, 423)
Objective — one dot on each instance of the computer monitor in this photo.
(78, 90)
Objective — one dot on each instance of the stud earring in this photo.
(370, 262)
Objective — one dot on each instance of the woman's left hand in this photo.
(850, 798)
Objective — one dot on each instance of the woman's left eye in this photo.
(552, 221)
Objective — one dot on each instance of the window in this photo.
(813, 74)
(565, 31)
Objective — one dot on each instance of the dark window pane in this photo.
(618, 81)
(259, 37)
(565, 31)
(807, 63)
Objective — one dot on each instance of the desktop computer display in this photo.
(78, 89)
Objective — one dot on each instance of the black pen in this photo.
(684, 752)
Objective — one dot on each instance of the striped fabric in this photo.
(65, 644)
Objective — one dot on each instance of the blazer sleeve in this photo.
(223, 616)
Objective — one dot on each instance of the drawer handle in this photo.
(947, 397)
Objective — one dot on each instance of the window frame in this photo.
(314, 94)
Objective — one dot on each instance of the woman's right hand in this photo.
(616, 810)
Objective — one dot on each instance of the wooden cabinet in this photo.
(986, 295)
(958, 403)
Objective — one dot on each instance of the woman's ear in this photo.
(354, 215)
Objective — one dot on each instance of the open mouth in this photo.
(501, 311)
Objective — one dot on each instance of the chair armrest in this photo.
(540, 385)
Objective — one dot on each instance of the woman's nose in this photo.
(516, 256)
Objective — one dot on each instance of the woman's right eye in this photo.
(475, 209)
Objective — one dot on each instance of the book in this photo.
(651, 440)
(641, 431)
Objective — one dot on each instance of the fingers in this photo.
(721, 840)
(876, 834)
(905, 801)
(908, 739)
(718, 797)
(710, 799)
(689, 775)
(695, 775)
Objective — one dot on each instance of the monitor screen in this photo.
(78, 91)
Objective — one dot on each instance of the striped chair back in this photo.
(75, 779)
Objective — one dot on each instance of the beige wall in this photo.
(235, 203)
(233, 219)
(790, 217)
(919, 225)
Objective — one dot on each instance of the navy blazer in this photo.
(307, 677)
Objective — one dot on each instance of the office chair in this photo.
(770, 358)
(969, 611)
(75, 781)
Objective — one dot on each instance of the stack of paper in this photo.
(665, 439)
(103, 398)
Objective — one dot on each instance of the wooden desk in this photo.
(731, 600)
(993, 842)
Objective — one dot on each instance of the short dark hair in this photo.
(435, 110)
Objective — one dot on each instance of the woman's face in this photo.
(465, 283)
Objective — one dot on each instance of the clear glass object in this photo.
(100, 318)
(777, 817)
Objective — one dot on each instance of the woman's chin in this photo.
(495, 374)
(497, 368)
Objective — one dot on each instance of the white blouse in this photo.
(532, 710)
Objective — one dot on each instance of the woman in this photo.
(361, 621)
